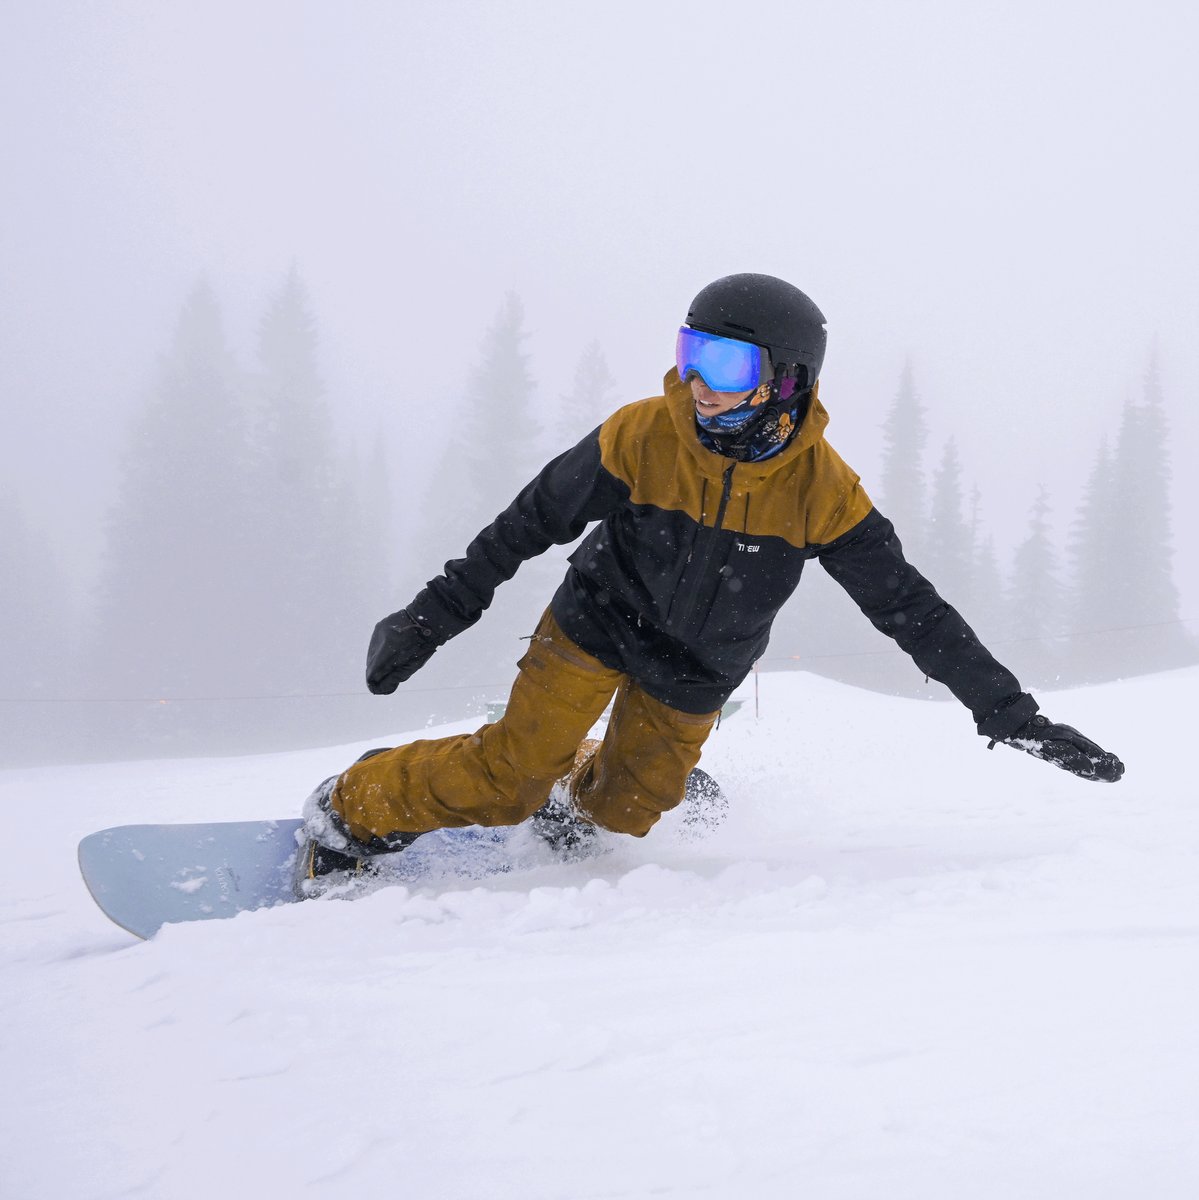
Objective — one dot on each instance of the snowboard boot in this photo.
(329, 853)
(558, 821)
(317, 862)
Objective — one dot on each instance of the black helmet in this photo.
(768, 312)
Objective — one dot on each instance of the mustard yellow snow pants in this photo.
(503, 773)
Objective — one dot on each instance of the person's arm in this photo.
(571, 492)
(868, 562)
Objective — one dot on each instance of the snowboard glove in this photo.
(1065, 747)
(399, 647)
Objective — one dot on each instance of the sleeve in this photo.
(572, 491)
(836, 500)
(868, 562)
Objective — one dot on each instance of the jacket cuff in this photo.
(1007, 716)
(425, 610)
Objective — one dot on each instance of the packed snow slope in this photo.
(904, 967)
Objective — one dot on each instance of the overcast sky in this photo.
(1005, 194)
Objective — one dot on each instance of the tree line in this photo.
(249, 551)
(1088, 594)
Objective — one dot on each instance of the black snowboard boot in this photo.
(558, 822)
(318, 861)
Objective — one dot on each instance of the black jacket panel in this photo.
(868, 563)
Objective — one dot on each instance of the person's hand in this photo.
(1065, 747)
(399, 647)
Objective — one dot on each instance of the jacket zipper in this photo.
(701, 574)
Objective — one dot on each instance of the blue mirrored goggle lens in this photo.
(724, 364)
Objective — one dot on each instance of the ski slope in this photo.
(905, 967)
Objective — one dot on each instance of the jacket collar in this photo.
(681, 407)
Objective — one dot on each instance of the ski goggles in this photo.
(724, 364)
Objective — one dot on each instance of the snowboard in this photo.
(147, 876)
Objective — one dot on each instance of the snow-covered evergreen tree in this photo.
(589, 401)
(985, 611)
(319, 573)
(902, 493)
(1093, 561)
(496, 446)
(1143, 614)
(1144, 591)
(1035, 600)
(947, 556)
(174, 612)
(984, 601)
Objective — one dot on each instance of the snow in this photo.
(905, 967)
(190, 885)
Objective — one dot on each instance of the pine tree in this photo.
(1035, 598)
(1090, 547)
(364, 561)
(947, 558)
(173, 599)
(902, 491)
(496, 447)
(315, 558)
(1145, 590)
(986, 614)
(984, 601)
(1093, 563)
(589, 400)
(1144, 611)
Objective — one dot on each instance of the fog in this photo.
(1002, 197)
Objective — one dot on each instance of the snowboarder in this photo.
(710, 499)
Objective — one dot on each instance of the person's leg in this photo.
(498, 776)
(640, 770)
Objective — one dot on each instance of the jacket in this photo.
(695, 553)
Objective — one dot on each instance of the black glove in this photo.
(1065, 747)
(399, 647)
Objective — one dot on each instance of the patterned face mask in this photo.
(759, 427)
(737, 418)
